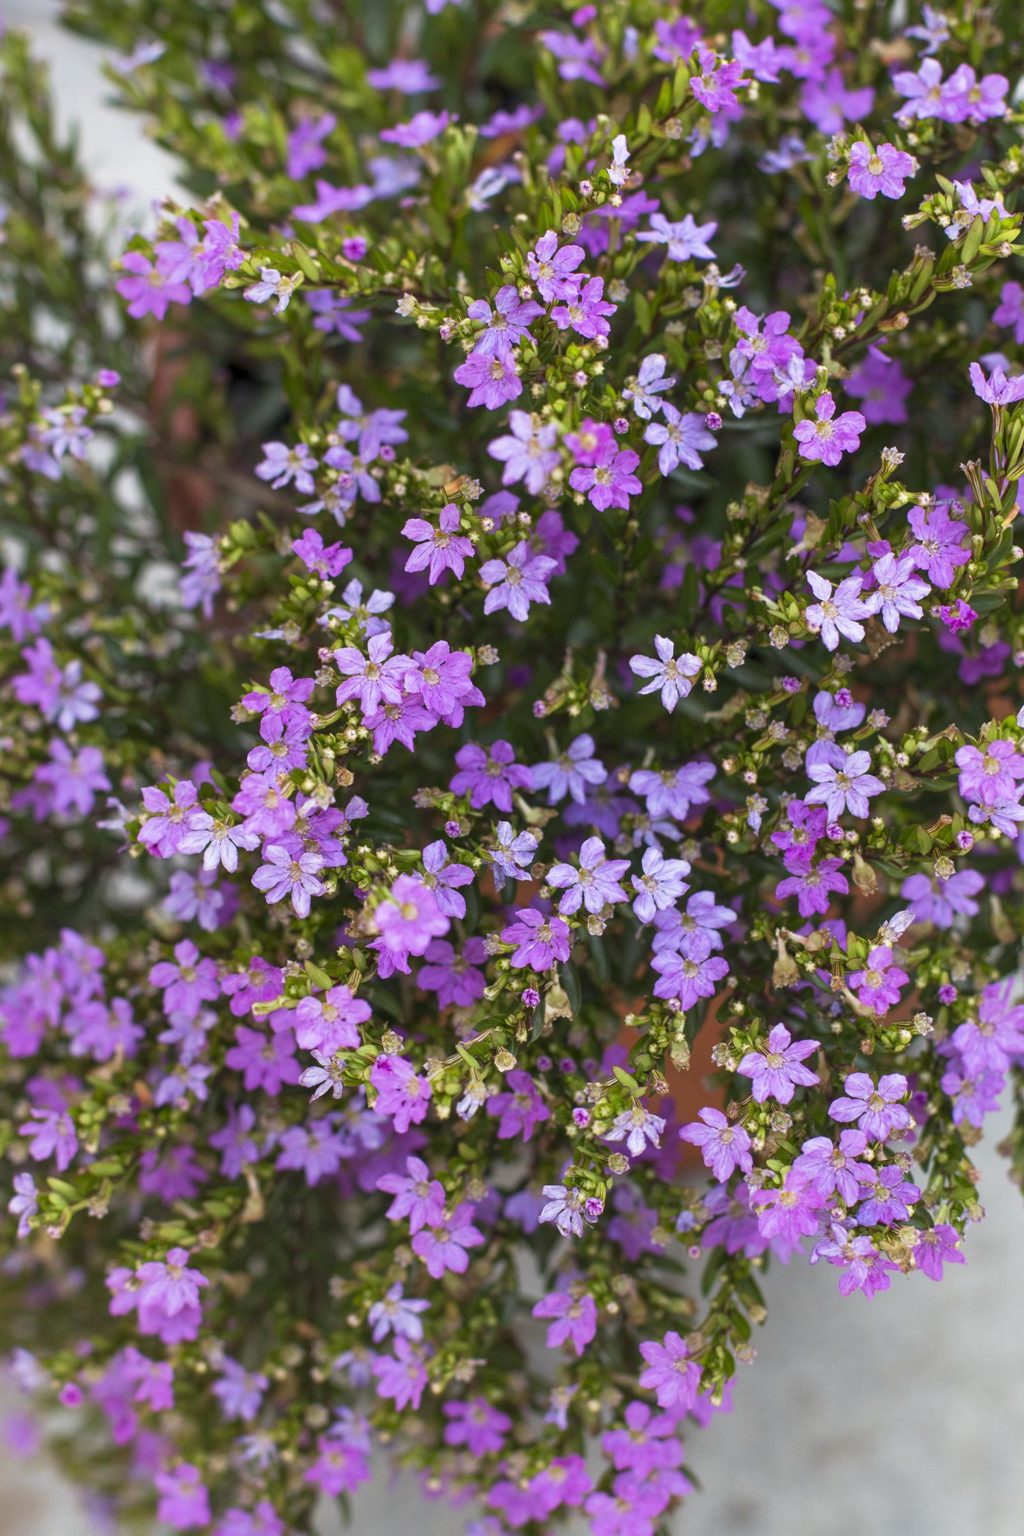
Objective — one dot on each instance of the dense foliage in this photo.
(509, 583)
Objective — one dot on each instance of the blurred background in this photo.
(901, 1416)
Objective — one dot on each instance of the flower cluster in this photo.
(556, 850)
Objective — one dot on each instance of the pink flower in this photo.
(879, 170)
(829, 436)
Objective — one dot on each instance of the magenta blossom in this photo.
(776, 1069)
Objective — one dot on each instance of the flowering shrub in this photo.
(594, 643)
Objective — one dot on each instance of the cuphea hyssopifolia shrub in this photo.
(616, 636)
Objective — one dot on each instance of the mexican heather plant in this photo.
(591, 440)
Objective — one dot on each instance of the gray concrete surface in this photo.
(902, 1416)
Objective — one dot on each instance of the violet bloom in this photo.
(688, 979)
(839, 612)
(553, 269)
(936, 1246)
(454, 976)
(439, 549)
(776, 1069)
(490, 775)
(376, 678)
(878, 985)
(684, 240)
(787, 1214)
(638, 1128)
(882, 387)
(670, 675)
(595, 884)
(884, 170)
(575, 1319)
(74, 778)
(941, 901)
(217, 840)
(397, 1313)
(492, 380)
(477, 1425)
(1010, 312)
(239, 1391)
(444, 1247)
(441, 680)
(528, 453)
(272, 285)
(842, 783)
(997, 389)
(51, 1133)
(724, 1146)
(970, 100)
(519, 1110)
(329, 1022)
(813, 886)
(568, 1209)
(421, 129)
(673, 793)
(834, 1170)
(408, 918)
(586, 312)
(506, 324)
(187, 982)
(609, 480)
(572, 773)
(878, 1110)
(829, 436)
(864, 1268)
(643, 392)
(401, 1095)
(670, 1374)
(183, 1502)
(679, 438)
(990, 775)
(24, 1203)
(443, 879)
(889, 1198)
(402, 1377)
(661, 884)
(898, 590)
(939, 550)
(517, 581)
(513, 852)
(540, 940)
(291, 875)
(417, 1196)
(148, 290)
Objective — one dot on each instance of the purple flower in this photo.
(936, 1246)
(148, 290)
(24, 1203)
(267, 1062)
(401, 1094)
(878, 1111)
(402, 1377)
(375, 678)
(609, 480)
(680, 438)
(272, 285)
(439, 549)
(576, 770)
(839, 613)
(881, 386)
(506, 324)
(540, 940)
(884, 170)
(490, 775)
(829, 436)
(184, 1502)
(492, 379)
(687, 979)
(990, 775)
(443, 1247)
(685, 239)
(419, 130)
(476, 1425)
(52, 1134)
(1011, 312)
(575, 1319)
(441, 679)
(528, 453)
(513, 852)
(889, 1198)
(407, 919)
(788, 1214)
(670, 675)
(568, 1209)
(330, 1022)
(997, 389)
(397, 1313)
(842, 783)
(453, 976)
(878, 985)
(672, 793)
(939, 550)
(643, 392)
(724, 1146)
(775, 1068)
(660, 885)
(864, 1268)
(834, 1170)
(517, 581)
(239, 1391)
(520, 1110)
(670, 1374)
(290, 874)
(638, 1128)
(898, 590)
(586, 311)
(595, 884)
(553, 269)
(443, 878)
(416, 1195)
